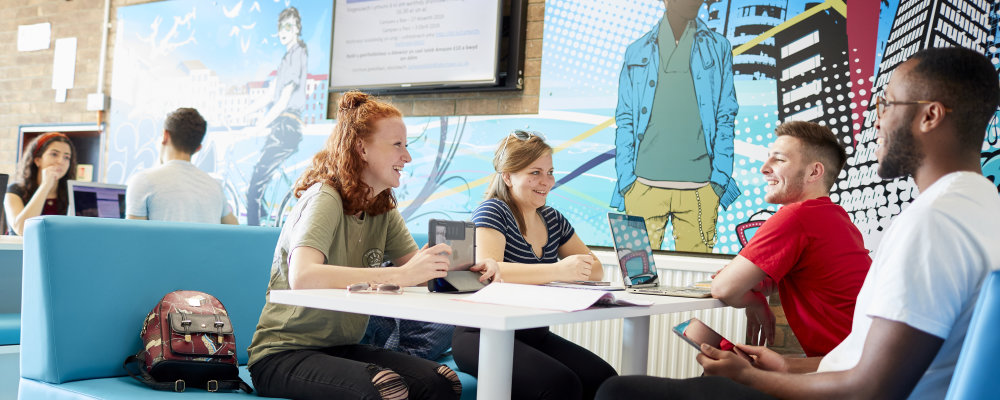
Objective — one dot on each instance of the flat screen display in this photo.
(383, 44)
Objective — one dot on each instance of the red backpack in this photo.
(188, 341)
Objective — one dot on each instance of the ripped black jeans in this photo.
(345, 372)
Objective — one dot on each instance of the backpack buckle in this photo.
(179, 385)
(212, 386)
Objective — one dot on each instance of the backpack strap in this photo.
(179, 385)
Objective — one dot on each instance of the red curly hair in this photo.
(339, 163)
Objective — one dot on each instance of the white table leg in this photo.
(635, 346)
(496, 361)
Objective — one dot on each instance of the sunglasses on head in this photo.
(380, 288)
(521, 135)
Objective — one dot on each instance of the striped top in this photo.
(495, 214)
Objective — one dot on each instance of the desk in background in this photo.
(498, 323)
(10, 274)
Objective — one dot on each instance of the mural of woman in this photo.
(283, 119)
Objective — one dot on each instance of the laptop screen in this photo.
(635, 256)
(90, 199)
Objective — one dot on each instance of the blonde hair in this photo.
(514, 154)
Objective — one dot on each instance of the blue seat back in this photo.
(89, 283)
(420, 238)
(979, 363)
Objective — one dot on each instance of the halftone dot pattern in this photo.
(584, 48)
(585, 41)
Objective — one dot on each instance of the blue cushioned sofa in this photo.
(89, 282)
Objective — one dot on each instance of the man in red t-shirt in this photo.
(810, 248)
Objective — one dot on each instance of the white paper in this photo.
(64, 63)
(60, 95)
(547, 297)
(34, 37)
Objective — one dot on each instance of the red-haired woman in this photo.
(343, 226)
(49, 161)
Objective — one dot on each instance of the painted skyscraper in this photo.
(741, 21)
(918, 24)
(813, 72)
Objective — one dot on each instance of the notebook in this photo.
(549, 298)
(635, 258)
(91, 199)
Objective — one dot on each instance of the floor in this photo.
(9, 371)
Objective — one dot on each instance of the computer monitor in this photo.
(91, 199)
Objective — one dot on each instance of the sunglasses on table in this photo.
(381, 288)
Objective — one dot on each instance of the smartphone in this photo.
(696, 332)
(460, 235)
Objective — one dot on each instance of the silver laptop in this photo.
(92, 199)
(635, 258)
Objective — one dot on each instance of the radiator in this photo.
(669, 356)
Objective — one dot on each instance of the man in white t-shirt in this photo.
(177, 190)
(914, 307)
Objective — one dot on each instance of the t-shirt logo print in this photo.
(372, 257)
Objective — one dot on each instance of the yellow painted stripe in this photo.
(839, 6)
(588, 133)
(836, 4)
(455, 190)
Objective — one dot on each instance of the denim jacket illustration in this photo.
(712, 73)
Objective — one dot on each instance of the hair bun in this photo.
(352, 99)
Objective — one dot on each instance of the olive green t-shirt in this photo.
(318, 221)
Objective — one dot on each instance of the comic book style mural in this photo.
(599, 80)
(904, 28)
(751, 65)
(257, 72)
(726, 73)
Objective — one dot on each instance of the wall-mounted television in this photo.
(413, 46)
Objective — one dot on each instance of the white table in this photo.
(498, 323)
(11, 242)
(11, 255)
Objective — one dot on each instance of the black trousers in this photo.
(343, 372)
(546, 366)
(281, 143)
(704, 387)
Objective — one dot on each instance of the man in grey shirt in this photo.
(177, 190)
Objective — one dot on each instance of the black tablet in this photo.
(461, 236)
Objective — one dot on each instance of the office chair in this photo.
(976, 372)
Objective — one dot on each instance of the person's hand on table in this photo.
(489, 269)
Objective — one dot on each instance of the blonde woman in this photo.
(537, 245)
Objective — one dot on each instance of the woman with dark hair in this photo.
(49, 161)
(537, 245)
(343, 226)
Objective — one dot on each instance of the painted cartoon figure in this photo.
(284, 117)
(672, 167)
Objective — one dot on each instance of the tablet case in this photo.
(461, 236)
